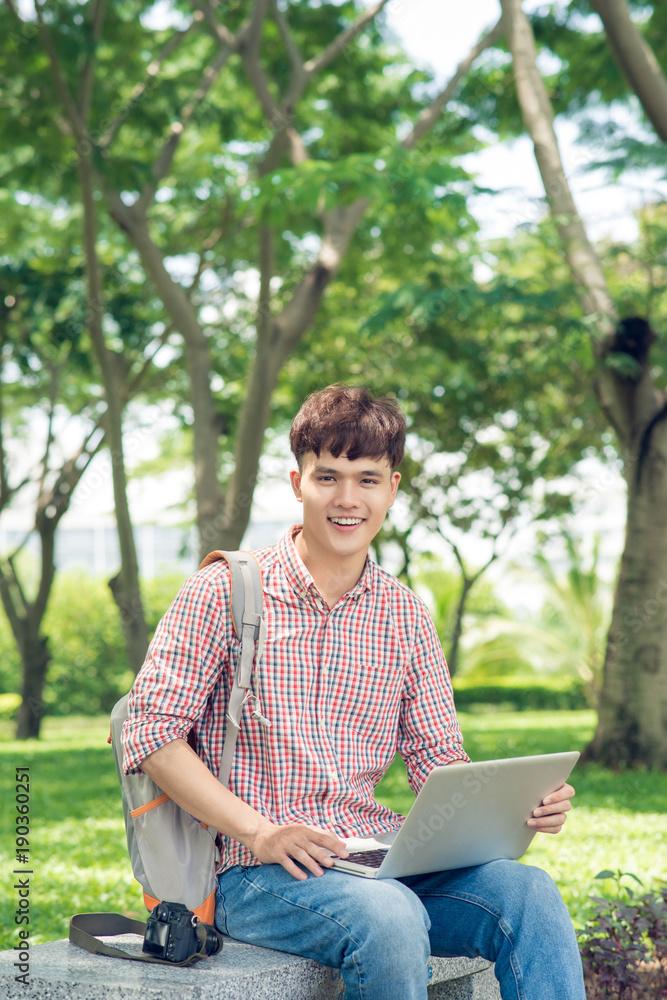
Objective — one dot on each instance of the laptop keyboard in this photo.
(372, 859)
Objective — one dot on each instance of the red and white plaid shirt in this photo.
(345, 689)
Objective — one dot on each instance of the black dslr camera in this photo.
(171, 934)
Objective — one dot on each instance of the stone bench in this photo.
(60, 970)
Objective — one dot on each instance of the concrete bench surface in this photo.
(60, 970)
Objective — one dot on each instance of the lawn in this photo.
(77, 842)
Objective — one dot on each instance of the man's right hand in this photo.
(285, 845)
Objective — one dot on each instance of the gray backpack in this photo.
(173, 855)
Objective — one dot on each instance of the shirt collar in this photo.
(300, 579)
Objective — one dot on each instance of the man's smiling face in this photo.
(344, 502)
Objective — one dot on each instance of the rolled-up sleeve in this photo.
(429, 733)
(182, 667)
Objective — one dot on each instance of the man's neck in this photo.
(333, 578)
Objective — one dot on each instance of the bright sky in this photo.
(440, 32)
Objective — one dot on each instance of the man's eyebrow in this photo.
(325, 470)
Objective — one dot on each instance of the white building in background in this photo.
(161, 548)
(87, 537)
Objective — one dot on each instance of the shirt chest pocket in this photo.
(363, 716)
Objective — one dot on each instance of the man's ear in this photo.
(395, 480)
(295, 482)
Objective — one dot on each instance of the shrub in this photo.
(9, 705)
(88, 670)
(624, 945)
(520, 694)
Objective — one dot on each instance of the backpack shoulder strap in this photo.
(249, 625)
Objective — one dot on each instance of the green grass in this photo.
(77, 841)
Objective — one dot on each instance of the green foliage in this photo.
(215, 197)
(637, 276)
(500, 362)
(9, 705)
(88, 671)
(568, 638)
(624, 944)
(487, 367)
(585, 84)
(441, 589)
(518, 693)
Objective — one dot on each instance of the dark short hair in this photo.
(347, 419)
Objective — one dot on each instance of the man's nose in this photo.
(347, 495)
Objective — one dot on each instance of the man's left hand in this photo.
(551, 814)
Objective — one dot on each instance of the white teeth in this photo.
(346, 520)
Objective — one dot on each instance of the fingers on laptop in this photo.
(296, 846)
(551, 814)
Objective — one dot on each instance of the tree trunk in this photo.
(25, 617)
(205, 415)
(636, 60)
(35, 657)
(125, 586)
(632, 725)
(633, 698)
(277, 337)
(457, 630)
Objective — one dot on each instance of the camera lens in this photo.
(212, 940)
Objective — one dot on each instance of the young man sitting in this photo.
(352, 673)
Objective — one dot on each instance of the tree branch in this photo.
(253, 36)
(318, 63)
(430, 115)
(53, 392)
(249, 49)
(293, 52)
(8, 603)
(287, 328)
(85, 95)
(66, 98)
(636, 60)
(211, 240)
(281, 116)
(219, 30)
(153, 69)
(539, 122)
(164, 160)
(6, 491)
(46, 521)
(23, 600)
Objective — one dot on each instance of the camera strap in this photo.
(84, 928)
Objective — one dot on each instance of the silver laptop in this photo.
(465, 814)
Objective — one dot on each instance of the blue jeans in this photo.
(381, 932)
